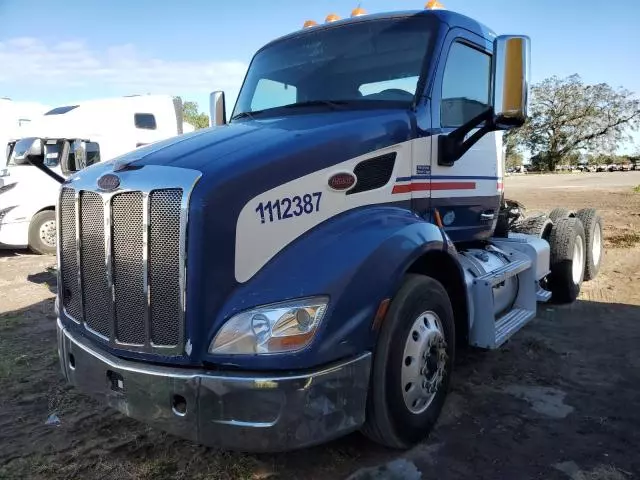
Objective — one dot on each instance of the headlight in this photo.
(276, 328)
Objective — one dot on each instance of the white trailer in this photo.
(110, 127)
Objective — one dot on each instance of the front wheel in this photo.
(412, 364)
(42, 233)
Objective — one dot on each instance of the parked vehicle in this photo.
(14, 117)
(110, 127)
(308, 268)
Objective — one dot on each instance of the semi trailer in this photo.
(309, 267)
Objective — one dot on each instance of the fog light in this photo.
(179, 405)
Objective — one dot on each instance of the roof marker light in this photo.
(332, 17)
(309, 23)
(434, 5)
(358, 12)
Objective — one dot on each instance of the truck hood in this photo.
(251, 144)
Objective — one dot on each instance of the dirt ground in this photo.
(561, 400)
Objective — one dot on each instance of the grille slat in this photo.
(130, 265)
(128, 268)
(97, 295)
(164, 266)
(71, 296)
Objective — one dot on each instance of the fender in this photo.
(357, 258)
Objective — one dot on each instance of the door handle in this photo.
(487, 216)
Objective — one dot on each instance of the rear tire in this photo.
(539, 226)
(412, 364)
(568, 246)
(560, 212)
(592, 223)
(42, 233)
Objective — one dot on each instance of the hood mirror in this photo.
(28, 150)
(217, 109)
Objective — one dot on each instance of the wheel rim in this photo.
(596, 248)
(423, 363)
(48, 233)
(578, 260)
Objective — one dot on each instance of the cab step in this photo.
(491, 331)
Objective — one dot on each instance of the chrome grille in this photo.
(71, 299)
(128, 269)
(164, 262)
(122, 265)
(97, 296)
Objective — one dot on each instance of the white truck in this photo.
(109, 127)
(15, 116)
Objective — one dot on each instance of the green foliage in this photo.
(566, 117)
(191, 115)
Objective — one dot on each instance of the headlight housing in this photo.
(277, 328)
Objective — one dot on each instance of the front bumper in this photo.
(233, 410)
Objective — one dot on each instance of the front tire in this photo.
(412, 364)
(42, 233)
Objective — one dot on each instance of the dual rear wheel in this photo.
(576, 251)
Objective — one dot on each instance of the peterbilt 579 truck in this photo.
(309, 267)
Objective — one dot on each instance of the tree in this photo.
(567, 116)
(514, 160)
(191, 115)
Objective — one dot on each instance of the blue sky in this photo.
(56, 52)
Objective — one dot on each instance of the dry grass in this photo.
(636, 189)
(624, 239)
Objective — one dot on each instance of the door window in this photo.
(465, 86)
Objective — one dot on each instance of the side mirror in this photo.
(511, 82)
(28, 150)
(217, 110)
(79, 149)
(31, 150)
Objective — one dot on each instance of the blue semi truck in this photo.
(309, 267)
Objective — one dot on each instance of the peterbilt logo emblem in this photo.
(108, 182)
(342, 181)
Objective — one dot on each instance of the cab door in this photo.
(466, 194)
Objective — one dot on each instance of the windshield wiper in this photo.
(248, 115)
(334, 104)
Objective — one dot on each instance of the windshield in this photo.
(375, 62)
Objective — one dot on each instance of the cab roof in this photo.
(452, 19)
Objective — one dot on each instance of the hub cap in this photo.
(48, 233)
(596, 247)
(423, 363)
(578, 260)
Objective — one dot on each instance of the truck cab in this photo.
(109, 127)
(308, 268)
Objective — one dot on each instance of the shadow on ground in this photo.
(558, 401)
